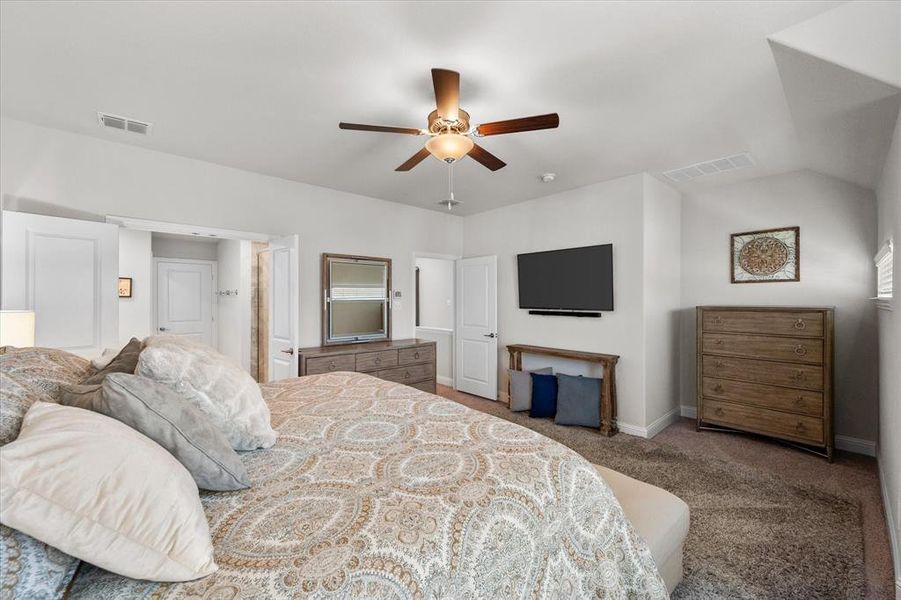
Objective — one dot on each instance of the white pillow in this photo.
(215, 384)
(102, 492)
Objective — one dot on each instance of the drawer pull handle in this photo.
(718, 411)
(718, 342)
(800, 350)
(717, 320)
(799, 400)
(800, 426)
(800, 324)
(798, 375)
(378, 360)
(416, 355)
(331, 366)
(718, 364)
(407, 375)
(718, 388)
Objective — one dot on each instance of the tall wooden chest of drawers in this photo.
(767, 370)
(411, 362)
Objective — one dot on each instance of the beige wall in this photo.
(838, 233)
(888, 195)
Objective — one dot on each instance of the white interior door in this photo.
(284, 307)
(66, 271)
(475, 370)
(184, 299)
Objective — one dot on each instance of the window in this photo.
(884, 282)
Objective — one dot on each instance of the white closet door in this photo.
(184, 299)
(283, 307)
(475, 370)
(66, 271)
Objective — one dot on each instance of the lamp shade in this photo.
(17, 328)
(449, 147)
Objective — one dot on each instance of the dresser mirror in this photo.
(355, 297)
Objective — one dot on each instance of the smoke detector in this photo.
(711, 167)
(547, 177)
(123, 123)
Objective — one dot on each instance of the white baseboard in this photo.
(856, 445)
(442, 380)
(652, 429)
(689, 411)
(892, 531)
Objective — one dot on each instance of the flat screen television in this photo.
(574, 279)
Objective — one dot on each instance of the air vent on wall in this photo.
(123, 123)
(710, 167)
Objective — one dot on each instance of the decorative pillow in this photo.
(31, 374)
(125, 362)
(31, 569)
(578, 401)
(521, 387)
(215, 384)
(102, 492)
(158, 412)
(544, 395)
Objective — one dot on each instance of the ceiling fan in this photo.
(450, 130)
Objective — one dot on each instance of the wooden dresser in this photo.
(767, 370)
(411, 362)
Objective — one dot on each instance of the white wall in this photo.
(167, 246)
(609, 212)
(838, 233)
(444, 348)
(662, 279)
(436, 292)
(888, 195)
(136, 261)
(102, 177)
(234, 258)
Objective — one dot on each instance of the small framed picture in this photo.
(125, 287)
(765, 256)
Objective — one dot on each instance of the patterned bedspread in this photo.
(378, 490)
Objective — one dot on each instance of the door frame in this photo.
(453, 258)
(214, 333)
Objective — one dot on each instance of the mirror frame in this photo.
(325, 272)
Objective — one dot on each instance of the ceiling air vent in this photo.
(123, 123)
(711, 167)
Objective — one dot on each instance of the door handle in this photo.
(162, 329)
(490, 335)
(288, 351)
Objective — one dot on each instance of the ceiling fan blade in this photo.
(414, 160)
(549, 121)
(489, 160)
(447, 93)
(379, 128)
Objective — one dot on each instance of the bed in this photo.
(378, 490)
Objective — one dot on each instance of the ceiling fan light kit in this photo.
(449, 147)
(449, 128)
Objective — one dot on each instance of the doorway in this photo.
(434, 283)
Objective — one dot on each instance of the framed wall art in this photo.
(768, 255)
(125, 287)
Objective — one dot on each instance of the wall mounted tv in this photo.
(576, 281)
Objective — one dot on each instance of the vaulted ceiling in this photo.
(639, 86)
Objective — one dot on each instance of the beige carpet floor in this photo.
(767, 521)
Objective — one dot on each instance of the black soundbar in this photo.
(565, 313)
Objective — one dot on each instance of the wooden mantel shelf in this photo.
(608, 387)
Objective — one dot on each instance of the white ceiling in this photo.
(639, 86)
